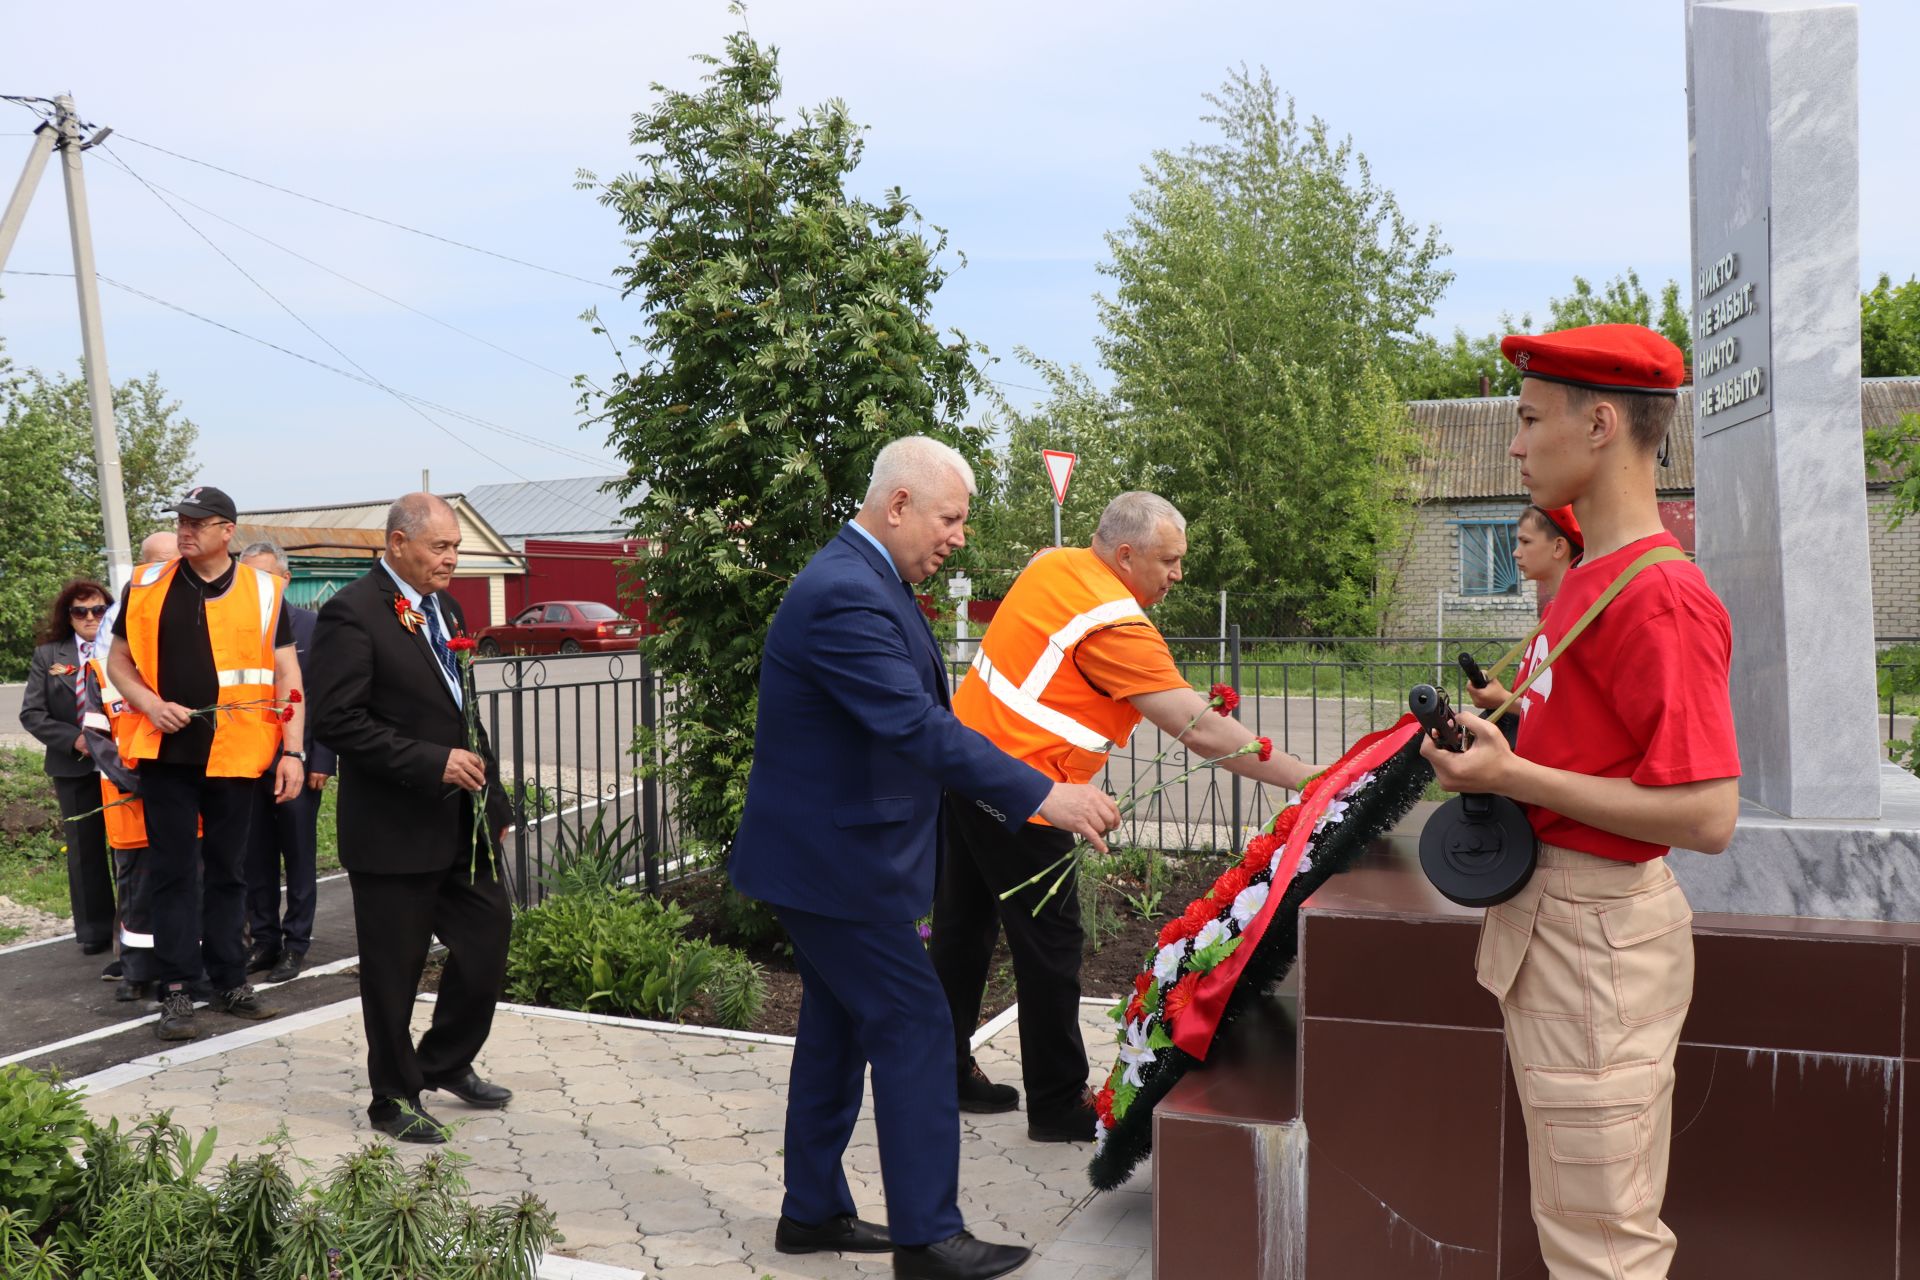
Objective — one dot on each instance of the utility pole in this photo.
(64, 133)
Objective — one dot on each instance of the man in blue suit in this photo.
(285, 833)
(853, 751)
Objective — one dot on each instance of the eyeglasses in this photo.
(195, 526)
(86, 610)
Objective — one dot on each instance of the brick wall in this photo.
(1430, 564)
(1428, 586)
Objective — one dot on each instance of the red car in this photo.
(562, 626)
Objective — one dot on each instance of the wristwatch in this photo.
(301, 756)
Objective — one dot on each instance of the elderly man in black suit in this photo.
(389, 696)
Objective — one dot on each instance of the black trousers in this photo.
(983, 860)
(282, 835)
(396, 916)
(204, 931)
(89, 870)
(136, 913)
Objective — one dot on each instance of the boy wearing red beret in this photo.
(1626, 750)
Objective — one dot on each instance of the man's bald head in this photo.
(412, 512)
(423, 541)
(161, 544)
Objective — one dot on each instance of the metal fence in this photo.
(566, 730)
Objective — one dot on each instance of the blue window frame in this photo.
(1486, 558)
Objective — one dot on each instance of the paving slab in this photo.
(659, 1149)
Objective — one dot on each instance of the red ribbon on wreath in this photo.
(1193, 1032)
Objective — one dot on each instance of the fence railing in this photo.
(566, 730)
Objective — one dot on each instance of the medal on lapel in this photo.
(410, 617)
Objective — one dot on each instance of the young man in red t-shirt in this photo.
(1626, 750)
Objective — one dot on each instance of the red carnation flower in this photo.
(1260, 851)
(294, 695)
(1283, 824)
(1178, 997)
(286, 715)
(1142, 981)
(1198, 912)
(1103, 1104)
(1174, 930)
(1230, 883)
(1223, 699)
(460, 644)
(1266, 749)
(1136, 1009)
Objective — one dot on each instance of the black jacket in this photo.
(377, 697)
(49, 712)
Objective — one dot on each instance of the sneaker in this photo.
(241, 1002)
(981, 1095)
(113, 972)
(176, 1016)
(1076, 1124)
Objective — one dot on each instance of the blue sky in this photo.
(1543, 139)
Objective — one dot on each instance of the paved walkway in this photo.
(659, 1149)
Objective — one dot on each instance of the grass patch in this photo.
(33, 847)
(327, 837)
(11, 933)
(1355, 671)
(1899, 676)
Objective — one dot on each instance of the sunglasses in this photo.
(87, 610)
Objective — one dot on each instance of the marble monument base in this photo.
(1824, 867)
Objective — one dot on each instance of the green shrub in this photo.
(737, 989)
(40, 1125)
(590, 860)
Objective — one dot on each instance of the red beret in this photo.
(1562, 519)
(1603, 357)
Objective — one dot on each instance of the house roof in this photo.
(1464, 454)
(359, 528)
(582, 508)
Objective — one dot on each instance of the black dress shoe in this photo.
(262, 959)
(129, 990)
(1076, 1124)
(113, 972)
(95, 948)
(842, 1234)
(474, 1091)
(409, 1124)
(958, 1257)
(981, 1095)
(287, 968)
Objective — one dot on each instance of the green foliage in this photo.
(40, 1124)
(738, 988)
(788, 338)
(1890, 329)
(591, 860)
(1623, 300)
(50, 523)
(1893, 453)
(1267, 290)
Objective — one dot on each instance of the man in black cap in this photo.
(204, 656)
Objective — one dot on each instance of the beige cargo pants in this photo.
(1593, 965)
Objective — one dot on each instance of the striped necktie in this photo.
(438, 640)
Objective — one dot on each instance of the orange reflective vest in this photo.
(240, 628)
(126, 823)
(1024, 690)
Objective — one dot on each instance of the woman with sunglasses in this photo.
(50, 711)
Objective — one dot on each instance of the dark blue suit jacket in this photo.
(854, 747)
(320, 757)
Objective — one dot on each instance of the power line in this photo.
(116, 162)
(337, 350)
(365, 381)
(385, 222)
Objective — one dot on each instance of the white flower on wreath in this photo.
(1354, 788)
(1248, 903)
(1100, 1135)
(1134, 1052)
(1280, 854)
(1211, 932)
(1335, 811)
(1166, 963)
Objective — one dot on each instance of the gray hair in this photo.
(410, 514)
(915, 463)
(1134, 518)
(267, 547)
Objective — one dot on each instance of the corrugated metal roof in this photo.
(1465, 450)
(478, 536)
(581, 507)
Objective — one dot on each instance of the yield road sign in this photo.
(1059, 472)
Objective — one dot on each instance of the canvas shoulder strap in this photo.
(1659, 555)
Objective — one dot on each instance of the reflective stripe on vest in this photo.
(241, 640)
(1023, 690)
